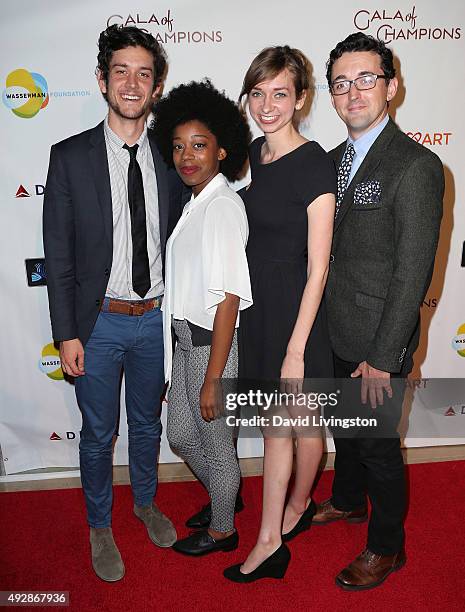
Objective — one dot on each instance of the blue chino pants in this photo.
(133, 344)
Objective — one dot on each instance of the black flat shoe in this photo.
(203, 517)
(304, 523)
(273, 567)
(202, 543)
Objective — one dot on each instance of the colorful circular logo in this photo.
(50, 363)
(26, 93)
(458, 343)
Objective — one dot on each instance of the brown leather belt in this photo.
(136, 308)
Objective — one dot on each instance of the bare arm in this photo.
(223, 332)
(320, 231)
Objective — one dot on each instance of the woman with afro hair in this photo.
(205, 137)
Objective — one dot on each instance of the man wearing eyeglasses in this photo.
(388, 214)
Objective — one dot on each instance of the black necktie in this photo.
(343, 174)
(140, 258)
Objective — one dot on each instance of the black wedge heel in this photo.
(273, 567)
(304, 523)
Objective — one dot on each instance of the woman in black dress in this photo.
(290, 206)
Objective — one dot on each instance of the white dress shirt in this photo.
(120, 281)
(205, 259)
(363, 144)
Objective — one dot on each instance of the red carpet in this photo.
(44, 546)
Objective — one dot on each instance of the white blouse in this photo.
(205, 258)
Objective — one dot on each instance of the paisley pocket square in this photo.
(367, 194)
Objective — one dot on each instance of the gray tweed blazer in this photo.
(384, 245)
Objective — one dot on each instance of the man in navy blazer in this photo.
(110, 203)
(386, 231)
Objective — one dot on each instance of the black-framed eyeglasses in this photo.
(367, 81)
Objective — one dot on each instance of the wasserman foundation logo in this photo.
(50, 363)
(458, 342)
(26, 93)
(388, 25)
(162, 27)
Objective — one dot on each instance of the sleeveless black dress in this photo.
(276, 204)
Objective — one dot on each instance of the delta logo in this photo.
(455, 410)
(70, 435)
(50, 363)
(458, 341)
(22, 192)
(26, 93)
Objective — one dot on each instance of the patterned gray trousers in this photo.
(208, 448)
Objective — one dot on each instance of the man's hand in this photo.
(72, 357)
(373, 383)
(209, 408)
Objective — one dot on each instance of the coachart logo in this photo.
(22, 192)
(431, 138)
(458, 342)
(162, 26)
(50, 363)
(388, 25)
(26, 93)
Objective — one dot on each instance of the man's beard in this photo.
(136, 114)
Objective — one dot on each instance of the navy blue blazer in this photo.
(78, 228)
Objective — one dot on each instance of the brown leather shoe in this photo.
(369, 570)
(327, 513)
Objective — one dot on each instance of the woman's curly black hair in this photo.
(200, 101)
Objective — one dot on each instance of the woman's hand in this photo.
(292, 373)
(223, 332)
(320, 215)
(209, 398)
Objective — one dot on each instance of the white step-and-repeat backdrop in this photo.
(50, 46)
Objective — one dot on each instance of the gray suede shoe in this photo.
(106, 560)
(159, 527)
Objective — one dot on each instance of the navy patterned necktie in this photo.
(343, 174)
(140, 258)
